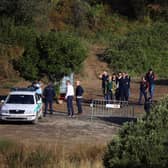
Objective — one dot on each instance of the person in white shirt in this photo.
(69, 97)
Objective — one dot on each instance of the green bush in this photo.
(54, 54)
(140, 50)
(143, 144)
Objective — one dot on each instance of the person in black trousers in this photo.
(104, 78)
(69, 97)
(79, 98)
(48, 95)
(151, 78)
(143, 90)
(124, 87)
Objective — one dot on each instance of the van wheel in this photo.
(35, 121)
(41, 114)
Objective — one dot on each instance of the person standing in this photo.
(119, 87)
(104, 78)
(147, 106)
(49, 94)
(150, 77)
(114, 87)
(79, 98)
(143, 90)
(69, 97)
(38, 90)
(129, 90)
(125, 83)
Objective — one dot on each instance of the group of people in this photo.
(49, 93)
(147, 85)
(116, 86)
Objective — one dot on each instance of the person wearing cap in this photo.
(79, 93)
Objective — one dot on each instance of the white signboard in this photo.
(113, 106)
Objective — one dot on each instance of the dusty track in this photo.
(56, 129)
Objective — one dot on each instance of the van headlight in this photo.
(4, 112)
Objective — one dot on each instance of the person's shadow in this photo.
(118, 120)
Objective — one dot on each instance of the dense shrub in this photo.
(53, 54)
(143, 144)
(60, 53)
(139, 50)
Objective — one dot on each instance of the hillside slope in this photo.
(92, 68)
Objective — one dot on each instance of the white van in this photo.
(22, 105)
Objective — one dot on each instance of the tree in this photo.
(54, 54)
(60, 53)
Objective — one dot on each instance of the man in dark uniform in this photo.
(104, 78)
(124, 87)
(48, 94)
(79, 93)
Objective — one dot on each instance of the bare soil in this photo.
(56, 129)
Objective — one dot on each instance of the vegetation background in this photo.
(58, 32)
(51, 38)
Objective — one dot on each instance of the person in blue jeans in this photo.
(79, 96)
(150, 77)
(69, 97)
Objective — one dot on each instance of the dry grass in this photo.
(19, 155)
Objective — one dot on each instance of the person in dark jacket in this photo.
(143, 90)
(79, 96)
(124, 87)
(150, 77)
(104, 78)
(48, 95)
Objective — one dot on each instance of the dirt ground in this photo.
(59, 127)
(56, 129)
